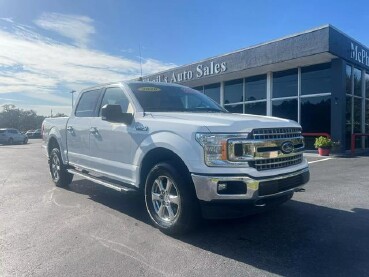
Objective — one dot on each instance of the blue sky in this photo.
(48, 48)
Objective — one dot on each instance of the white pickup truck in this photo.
(185, 153)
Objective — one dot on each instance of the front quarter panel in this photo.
(186, 149)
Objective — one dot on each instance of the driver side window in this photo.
(116, 96)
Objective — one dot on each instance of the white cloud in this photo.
(79, 28)
(7, 19)
(40, 67)
(128, 50)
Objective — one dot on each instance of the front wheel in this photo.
(170, 200)
(11, 141)
(58, 170)
(25, 141)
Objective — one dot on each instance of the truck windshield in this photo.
(166, 98)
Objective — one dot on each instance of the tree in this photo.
(23, 120)
(60, 115)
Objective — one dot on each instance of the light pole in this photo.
(72, 92)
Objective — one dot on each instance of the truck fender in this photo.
(170, 141)
(54, 133)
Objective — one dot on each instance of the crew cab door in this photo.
(111, 142)
(78, 128)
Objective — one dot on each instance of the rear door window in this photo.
(87, 104)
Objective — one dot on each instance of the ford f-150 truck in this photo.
(188, 156)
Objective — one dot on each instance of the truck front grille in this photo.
(266, 164)
(275, 133)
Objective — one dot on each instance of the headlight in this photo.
(216, 148)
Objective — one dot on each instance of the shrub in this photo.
(323, 142)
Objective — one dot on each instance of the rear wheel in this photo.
(58, 170)
(10, 141)
(25, 141)
(170, 200)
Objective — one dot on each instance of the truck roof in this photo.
(129, 82)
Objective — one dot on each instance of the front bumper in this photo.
(255, 188)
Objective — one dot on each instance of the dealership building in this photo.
(319, 78)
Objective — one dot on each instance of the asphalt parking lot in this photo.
(88, 230)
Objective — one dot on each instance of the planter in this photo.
(324, 151)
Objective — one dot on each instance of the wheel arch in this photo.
(54, 142)
(157, 155)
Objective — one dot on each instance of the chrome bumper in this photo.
(207, 186)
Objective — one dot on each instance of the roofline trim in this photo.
(247, 48)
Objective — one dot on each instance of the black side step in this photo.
(115, 186)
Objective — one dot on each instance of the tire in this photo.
(174, 210)
(11, 141)
(61, 177)
(25, 141)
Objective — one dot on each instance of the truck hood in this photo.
(225, 122)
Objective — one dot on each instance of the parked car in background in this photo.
(12, 136)
(34, 134)
(29, 133)
(37, 134)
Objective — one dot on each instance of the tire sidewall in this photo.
(181, 224)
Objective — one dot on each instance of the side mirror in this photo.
(113, 113)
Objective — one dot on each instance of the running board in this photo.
(108, 184)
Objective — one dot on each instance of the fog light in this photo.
(231, 187)
(222, 186)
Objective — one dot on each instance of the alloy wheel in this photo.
(166, 199)
(55, 167)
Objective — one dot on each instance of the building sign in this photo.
(199, 71)
(359, 54)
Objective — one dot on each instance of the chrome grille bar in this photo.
(265, 148)
(266, 164)
(275, 133)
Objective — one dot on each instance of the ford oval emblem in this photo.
(287, 147)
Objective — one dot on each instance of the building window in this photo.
(285, 83)
(348, 121)
(367, 85)
(357, 82)
(234, 108)
(354, 108)
(315, 117)
(258, 108)
(285, 108)
(357, 120)
(366, 129)
(316, 114)
(348, 79)
(367, 122)
(316, 79)
(233, 91)
(200, 88)
(255, 88)
(213, 91)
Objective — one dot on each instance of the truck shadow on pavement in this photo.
(131, 205)
(296, 239)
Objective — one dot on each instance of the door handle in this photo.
(93, 130)
(70, 129)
